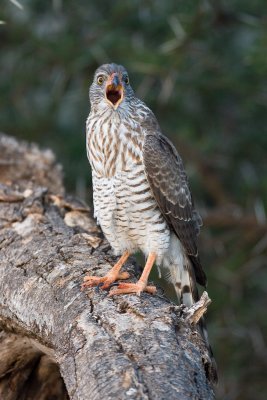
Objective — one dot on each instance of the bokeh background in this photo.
(202, 67)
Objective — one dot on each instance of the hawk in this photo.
(141, 194)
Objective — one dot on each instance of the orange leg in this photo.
(113, 275)
(141, 285)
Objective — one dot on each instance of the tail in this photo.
(182, 276)
(185, 284)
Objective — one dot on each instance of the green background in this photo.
(202, 68)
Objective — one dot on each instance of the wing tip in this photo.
(201, 277)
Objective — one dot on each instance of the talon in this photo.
(114, 284)
(98, 287)
(107, 284)
(90, 281)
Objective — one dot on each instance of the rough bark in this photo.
(106, 348)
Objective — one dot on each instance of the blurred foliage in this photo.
(202, 67)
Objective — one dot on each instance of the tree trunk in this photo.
(124, 347)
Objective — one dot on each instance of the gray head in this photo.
(111, 87)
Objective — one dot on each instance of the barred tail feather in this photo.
(184, 283)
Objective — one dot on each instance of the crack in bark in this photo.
(134, 364)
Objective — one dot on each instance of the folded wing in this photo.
(169, 184)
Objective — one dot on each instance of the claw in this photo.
(98, 287)
(114, 284)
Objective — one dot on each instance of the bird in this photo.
(141, 194)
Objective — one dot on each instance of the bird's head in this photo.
(111, 87)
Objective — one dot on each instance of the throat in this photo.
(109, 147)
(113, 146)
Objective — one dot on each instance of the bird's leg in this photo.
(113, 275)
(141, 285)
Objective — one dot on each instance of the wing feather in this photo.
(169, 184)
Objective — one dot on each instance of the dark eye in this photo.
(126, 80)
(100, 79)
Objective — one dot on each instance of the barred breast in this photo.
(123, 202)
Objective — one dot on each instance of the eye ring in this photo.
(127, 80)
(100, 79)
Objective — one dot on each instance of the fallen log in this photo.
(124, 347)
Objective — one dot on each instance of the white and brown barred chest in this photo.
(113, 145)
(123, 202)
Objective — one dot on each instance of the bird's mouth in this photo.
(114, 94)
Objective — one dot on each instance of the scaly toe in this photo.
(123, 275)
(127, 288)
(90, 281)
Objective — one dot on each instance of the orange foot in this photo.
(137, 288)
(106, 281)
(113, 275)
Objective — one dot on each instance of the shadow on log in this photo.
(104, 348)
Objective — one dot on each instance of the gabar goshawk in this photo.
(142, 199)
(141, 194)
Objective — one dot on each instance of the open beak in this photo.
(114, 91)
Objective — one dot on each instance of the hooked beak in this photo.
(114, 90)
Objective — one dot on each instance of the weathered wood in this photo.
(106, 347)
